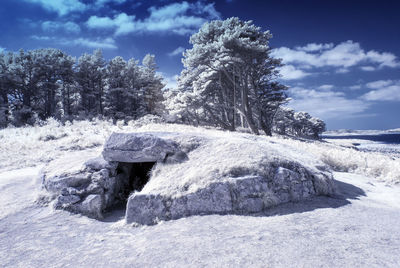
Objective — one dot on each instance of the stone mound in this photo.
(165, 176)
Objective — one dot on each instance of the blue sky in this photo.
(342, 57)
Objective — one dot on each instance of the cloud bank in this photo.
(178, 18)
(61, 7)
(340, 57)
(383, 90)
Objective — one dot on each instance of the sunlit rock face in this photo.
(239, 195)
(90, 186)
(138, 147)
(167, 176)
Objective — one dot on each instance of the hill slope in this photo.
(359, 227)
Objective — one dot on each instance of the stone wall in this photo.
(92, 186)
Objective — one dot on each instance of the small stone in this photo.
(98, 163)
(92, 206)
(94, 188)
(64, 201)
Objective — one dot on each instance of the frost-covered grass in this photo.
(30, 146)
(372, 164)
(222, 156)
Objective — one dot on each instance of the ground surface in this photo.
(358, 228)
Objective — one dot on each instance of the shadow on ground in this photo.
(115, 213)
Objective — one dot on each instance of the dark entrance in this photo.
(139, 176)
(130, 177)
(133, 177)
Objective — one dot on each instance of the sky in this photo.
(341, 57)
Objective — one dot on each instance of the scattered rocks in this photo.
(85, 186)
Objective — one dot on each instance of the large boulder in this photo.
(138, 147)
(242, 195)
(196, 174)
(228, 174)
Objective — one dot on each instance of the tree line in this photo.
(43, 83)
(229, 80)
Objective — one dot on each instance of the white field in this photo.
(357, 228)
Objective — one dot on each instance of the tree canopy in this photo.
(229, 77)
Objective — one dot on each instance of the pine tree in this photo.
(90, 78)
(231, 76)
(152, 86)
(116, 94)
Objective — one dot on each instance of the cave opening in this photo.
(132, 177)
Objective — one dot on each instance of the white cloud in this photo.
(41, 38)
(342, 71)
(379, 84)
(62, 7)
(104, 2)
(384, 59)
(177, 52)
(384, 90)
(355, 87)
(179, 18)
(54, 26)
(121, 23)
(325, 87)
(289, 72)
(315, 47)
(2, 49)
(326, 104)
(368, 68)
(107, 43)
(344, 55)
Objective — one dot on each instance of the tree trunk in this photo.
(248, 115)
(265, 125)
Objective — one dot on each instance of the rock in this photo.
(98, 163)
(67, 171)
(92, 206)
(71, 191)
(95, 188)
(145, 209)
(101, 176)
(219, 177)
(57, 183)
(251, 194)
(137, 147)
(66, 201)
(175, 158)
(215, 199)
(242, 195)
(69, 181)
